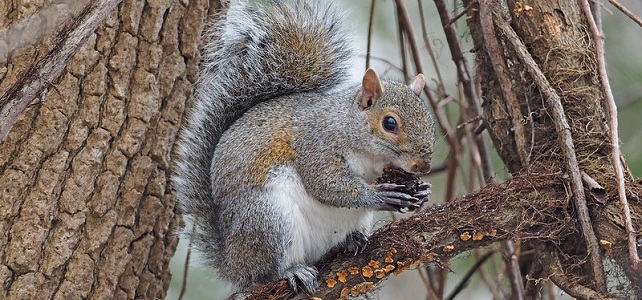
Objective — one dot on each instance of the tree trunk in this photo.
(557, 37)
(85, 211)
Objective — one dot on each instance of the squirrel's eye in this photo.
(389, 123)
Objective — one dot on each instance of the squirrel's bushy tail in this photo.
(253, 54)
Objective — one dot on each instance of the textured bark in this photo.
(85, 210)
(557, 36)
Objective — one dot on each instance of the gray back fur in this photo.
(252, 58)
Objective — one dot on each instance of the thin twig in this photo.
(187, 262)
(464, 281)
(486, 277)
(431, 291)
(42, 74)
(461, 14)
(514, 272)
(627, 12)
(597, 191)
(566, 142)
(390, 64)
(404, 22)
(402, 47)
(431, 52)
(615, 141)
(372, 9)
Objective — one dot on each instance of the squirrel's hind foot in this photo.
(355, 242)
(302, 276)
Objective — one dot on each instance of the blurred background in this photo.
(624, 59)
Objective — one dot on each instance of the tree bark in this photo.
(85, 210)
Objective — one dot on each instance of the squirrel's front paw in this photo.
(394, 197)
(303, 276)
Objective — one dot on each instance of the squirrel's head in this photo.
(400, 121)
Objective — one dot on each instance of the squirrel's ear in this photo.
(371, 89)
(417, 84)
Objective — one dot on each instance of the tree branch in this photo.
(528, 207)
(627, 12)
(500, 69)
(370, 23)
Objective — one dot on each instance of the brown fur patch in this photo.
(277, 151)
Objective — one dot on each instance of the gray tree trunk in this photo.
(85, 210)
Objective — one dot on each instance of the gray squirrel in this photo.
(274, 163)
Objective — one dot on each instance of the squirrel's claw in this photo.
(390, 187)
(398, 201)
(424, 185)
(304, 276)
(356, 242)
(399, 198)
(422, 194)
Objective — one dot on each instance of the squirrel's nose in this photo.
(420, 166)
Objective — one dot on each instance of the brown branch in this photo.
(442, 120)
(461, 14)
(404, 21)
(527, 207)
(566, 142)
(432, 294)
(627, 12)
(372, 9)
(464, 77)
(615, 142)
(402, 46)
(42, 74)
(514, 272)
(500, 69)
(491, 283)
(458, 58)
(431, 52)
(577, 291)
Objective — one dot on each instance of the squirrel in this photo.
(275, 161)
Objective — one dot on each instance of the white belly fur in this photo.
(315, 227)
